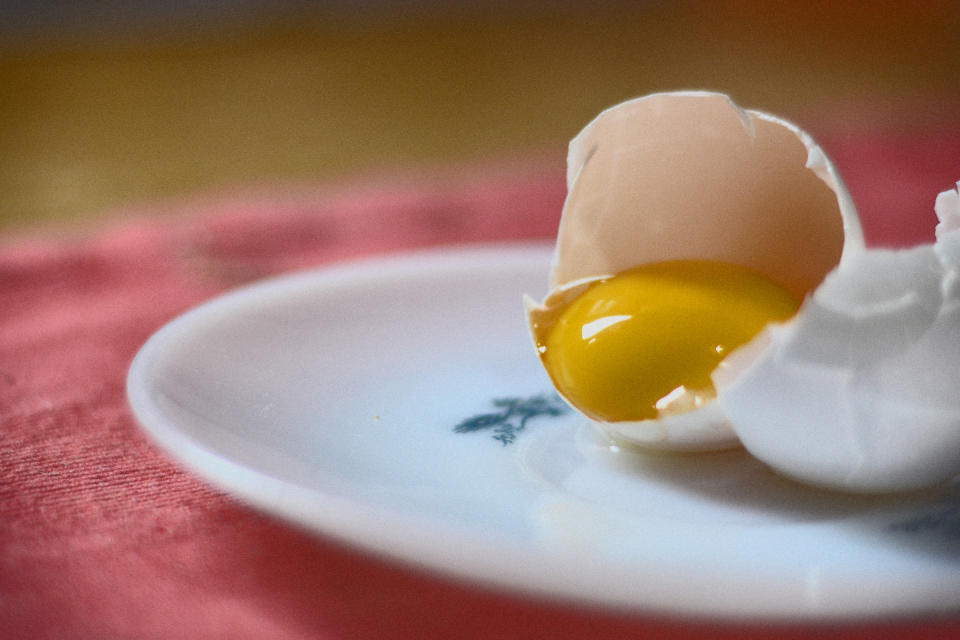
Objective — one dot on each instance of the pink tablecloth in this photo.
(101, 536)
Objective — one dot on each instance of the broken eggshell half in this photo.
(689, 175)
(865, 375)
(858, 390)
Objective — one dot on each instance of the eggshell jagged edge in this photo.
(696, 189)
(860, 392)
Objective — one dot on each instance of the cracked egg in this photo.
(710, 287)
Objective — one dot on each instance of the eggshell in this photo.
(859, 392)
(689, 175)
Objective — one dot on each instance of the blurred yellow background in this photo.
(100, 111)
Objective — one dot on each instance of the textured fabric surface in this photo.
(101, 536)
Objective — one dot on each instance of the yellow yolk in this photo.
(643, 343)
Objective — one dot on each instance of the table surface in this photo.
(142, 178)
(102, 536)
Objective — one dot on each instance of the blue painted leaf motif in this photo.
(513, 416)
(944, 521)
(482, 421)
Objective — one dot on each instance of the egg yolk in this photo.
(642, 344)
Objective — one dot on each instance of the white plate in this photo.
(331, 398)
